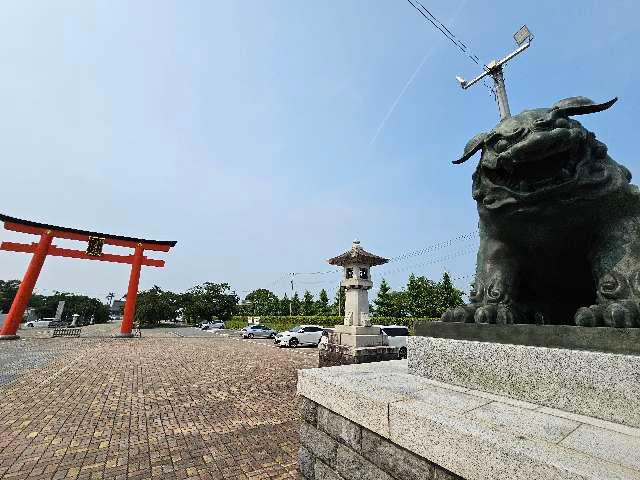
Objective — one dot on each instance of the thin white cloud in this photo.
(411, 78)
(404, 89)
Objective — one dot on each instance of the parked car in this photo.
(212, 325)
(258, 331)
(395, 336)
(42, 323)
(300, 335)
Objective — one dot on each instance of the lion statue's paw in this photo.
(621, 314)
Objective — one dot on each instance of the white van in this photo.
(395, 336)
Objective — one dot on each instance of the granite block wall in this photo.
(334, 448)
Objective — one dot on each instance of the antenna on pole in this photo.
(523, 38)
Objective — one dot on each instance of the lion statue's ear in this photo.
(471, 148)
(580, 106)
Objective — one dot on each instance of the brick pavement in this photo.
(162, 406)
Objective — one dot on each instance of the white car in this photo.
(395, 336)
(300, 335)
(212, 325)
(42, 323)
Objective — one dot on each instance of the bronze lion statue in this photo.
(559, 224)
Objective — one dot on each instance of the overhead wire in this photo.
(442, 28)
(314, 284)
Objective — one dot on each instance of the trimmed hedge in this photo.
(281, 324)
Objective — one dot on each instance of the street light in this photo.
(523, 38)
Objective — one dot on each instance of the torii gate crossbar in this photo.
(45, 247)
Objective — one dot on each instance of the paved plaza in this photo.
(174, 404)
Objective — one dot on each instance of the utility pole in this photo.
(523, 38)
(291, 301)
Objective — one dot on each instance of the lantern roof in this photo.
(357, 255)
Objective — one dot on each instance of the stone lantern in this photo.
(356, 341)
(356, 280)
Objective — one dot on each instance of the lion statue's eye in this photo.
(501, 146)
(562, 123)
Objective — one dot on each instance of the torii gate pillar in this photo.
(20, 302)
(132, 294)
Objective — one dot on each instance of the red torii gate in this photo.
(95, 241)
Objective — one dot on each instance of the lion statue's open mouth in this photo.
(541, 153)
(559, 224)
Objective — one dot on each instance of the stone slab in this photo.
(600, 339)
(356, 330)
(360, 340)
(476, 436)
(522, 421)
(622, 448)
(595, 384)
(352, 396)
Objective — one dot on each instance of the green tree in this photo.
(384, 303)
(208, 301)
(337, 307)
(87, 308)
(284, 306)
(295, 304)
(322, 305)
(448, 295)
(422, 297)
(263, 302)
(308, 305)
(8, 290)
(398, 305)
(155, 305)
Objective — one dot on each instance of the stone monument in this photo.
(356, 341)
(529, 381)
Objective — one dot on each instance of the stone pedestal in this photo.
(377, 420)
(350, 344)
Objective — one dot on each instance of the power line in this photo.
(459, 253)
(288, 277)
(442, 28)
(323, 272)
(434, 247)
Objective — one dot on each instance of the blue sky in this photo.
(264, 136)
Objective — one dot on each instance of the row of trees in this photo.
(45, 306)
(420, 298)
(200, 303)
(263, 302)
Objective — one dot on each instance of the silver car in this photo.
(258, 331)
(212, 325)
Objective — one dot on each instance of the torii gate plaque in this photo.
(95, 241)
